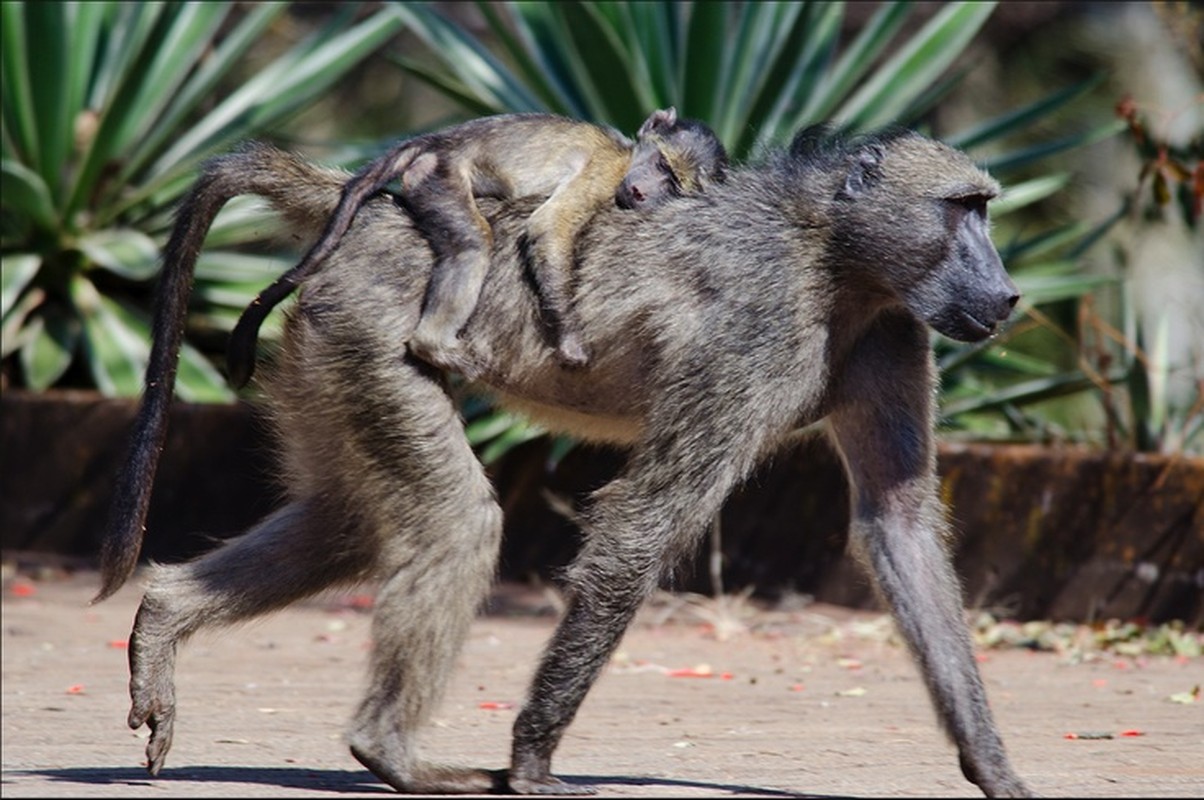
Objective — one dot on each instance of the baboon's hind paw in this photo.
(549, 785)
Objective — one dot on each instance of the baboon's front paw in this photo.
(1013, 787)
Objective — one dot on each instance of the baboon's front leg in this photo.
(884, 430)
(638, 527)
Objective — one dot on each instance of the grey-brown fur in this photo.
(575, 167)
(796, 291)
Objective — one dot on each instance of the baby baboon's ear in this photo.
(663, 119)
(865, 170)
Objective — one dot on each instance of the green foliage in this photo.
(757, 73)
(108, 109)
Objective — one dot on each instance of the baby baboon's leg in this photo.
(552, 233)
(387, 437)
(883, 427)
(270, 566)
(443, 207)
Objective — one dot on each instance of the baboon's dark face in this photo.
(919, 209)
(671, 160)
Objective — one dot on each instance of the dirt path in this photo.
(814, 702)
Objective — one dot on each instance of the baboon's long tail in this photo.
(240, 353)
(257, 169)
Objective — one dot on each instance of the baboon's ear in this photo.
(662, 119)
(865, 169)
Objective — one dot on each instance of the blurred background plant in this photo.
(756, 72)
(108, 109)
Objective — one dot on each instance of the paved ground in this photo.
(814, 702)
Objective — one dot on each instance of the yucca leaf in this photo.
(1026, 392)
(126, 28)
(512, 437)
(489, 426)
(1021, 118)
(518, 51)
(116, 354)
(281, 88)
(1042, 150)
(17, 99)
(115, 87)
(447, 85)
(1004, 359)
(24, 192)
(780, 113)
(49, 347)
(14, 331)
(16, 272)
(768, 28)
(906, 75)
(49, 79)
(228, 266)
(561, 46)
(201, 83)
(126, 252)
(1038, 289)
(1024, 194)
(652, 39)
(705, 60)
(1038, 246)
(869, 44)
(84, 34)
(624, 101)
(467, 58)
(243, 219)
(199, 381)
(186, 31)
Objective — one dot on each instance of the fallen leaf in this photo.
(1187, 697)
(1132, 732)
(119, 644)
(22, 590)
(75, 688)
(495, 705)
(856, 691)
(700, 671)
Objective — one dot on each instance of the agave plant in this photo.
(108, 108)
(757, 73)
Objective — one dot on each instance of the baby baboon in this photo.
(577, 166)
(798, 290)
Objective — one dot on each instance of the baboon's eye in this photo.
(666, 169)
(974, 203)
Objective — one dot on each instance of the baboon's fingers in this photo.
(162, 726)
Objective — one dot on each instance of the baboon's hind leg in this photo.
(268, 567)
(420, 494)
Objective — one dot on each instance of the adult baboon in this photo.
(798, 290)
